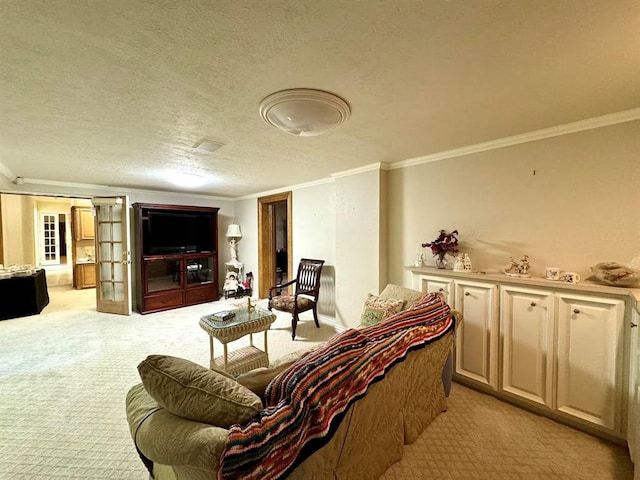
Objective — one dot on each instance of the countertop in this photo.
(85, 261)
(590, 284)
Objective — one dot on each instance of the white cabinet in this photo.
(526, 334)
(590, 359)
(477, 336)
(476, 346)
(565, 352)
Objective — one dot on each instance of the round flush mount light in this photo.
(304, 112)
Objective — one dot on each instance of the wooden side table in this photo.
(245, 322)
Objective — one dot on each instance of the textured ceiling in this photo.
(117, 92)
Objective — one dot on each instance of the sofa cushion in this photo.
(192, 391)
(287, 302)
(377, 309)
(258, 379)
(407, 295)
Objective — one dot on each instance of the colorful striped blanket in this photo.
(306, 403)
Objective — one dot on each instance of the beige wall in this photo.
(358, 243)
(246, 215)
(581, 206)
(313, 212)
(314, 236)
(18, 230)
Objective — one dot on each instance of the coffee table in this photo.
(245, 322)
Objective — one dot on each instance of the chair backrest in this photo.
(308, 279)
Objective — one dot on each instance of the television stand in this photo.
(168, 277)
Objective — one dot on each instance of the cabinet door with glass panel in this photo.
(198, 270)
(163, 273)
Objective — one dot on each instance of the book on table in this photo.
(223, 315)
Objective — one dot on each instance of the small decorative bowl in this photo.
(616, 274)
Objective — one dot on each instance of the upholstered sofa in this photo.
(342, 411)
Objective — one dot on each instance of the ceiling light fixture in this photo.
(303, 111)
(184, 179)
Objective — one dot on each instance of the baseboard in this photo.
(331, 322)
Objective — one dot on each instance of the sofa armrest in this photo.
(168, 439)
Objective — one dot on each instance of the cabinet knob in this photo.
(576, 311)
(633, 325)
(466, 294)
(441, 289)
(533, 304)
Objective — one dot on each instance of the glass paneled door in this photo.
(113, 255)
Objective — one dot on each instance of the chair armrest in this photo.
(277, 287)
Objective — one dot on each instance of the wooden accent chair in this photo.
(305, 297)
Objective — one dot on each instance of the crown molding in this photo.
(366, 168)
(100, 189)
(55, 183)
(298, 186)
(6, 172)
(574, 127)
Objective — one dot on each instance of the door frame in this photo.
(267, 240)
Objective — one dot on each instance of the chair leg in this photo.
(294, 324)
(315, 317)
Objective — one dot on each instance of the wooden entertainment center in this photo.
(177, 249)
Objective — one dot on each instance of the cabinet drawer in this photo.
(200, 294)
(165, 300)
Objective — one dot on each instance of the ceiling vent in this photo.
(208, 145)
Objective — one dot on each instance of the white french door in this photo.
(113, 255)
(49, 239)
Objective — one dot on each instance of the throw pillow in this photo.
(377, 309)
(408, 295)
(192, 391)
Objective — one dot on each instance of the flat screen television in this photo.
(177, 232)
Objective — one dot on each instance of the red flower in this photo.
(447, 242)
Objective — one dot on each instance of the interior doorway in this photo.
(36, 230)
(274, 241)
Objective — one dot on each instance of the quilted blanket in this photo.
(306, 403)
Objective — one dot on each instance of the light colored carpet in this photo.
(64, 375)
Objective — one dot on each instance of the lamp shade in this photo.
(233, 231)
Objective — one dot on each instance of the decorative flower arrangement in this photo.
(447, 242)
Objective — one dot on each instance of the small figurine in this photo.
(231, 282)
(467, 262)
(515, 269)
(458, 266)
(420, 260)
(524, 266)
(248, 283)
